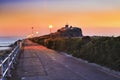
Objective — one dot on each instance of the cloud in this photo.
(61, 5)
(84, 5)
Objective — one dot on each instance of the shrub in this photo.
(101, 50)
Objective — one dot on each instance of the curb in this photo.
(101, 68)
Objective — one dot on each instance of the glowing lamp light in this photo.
(50, 26)
(37, 32)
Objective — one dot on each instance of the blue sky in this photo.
(6, 1)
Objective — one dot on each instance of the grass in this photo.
(101, 50)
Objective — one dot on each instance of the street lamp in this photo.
(32, 31)
(37, 33)
(50, 27)
(32, 35)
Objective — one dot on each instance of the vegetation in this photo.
(101, 50)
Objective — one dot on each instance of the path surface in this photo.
(39, 63)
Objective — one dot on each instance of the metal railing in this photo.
(7, 64)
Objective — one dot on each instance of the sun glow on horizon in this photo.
(94, 17)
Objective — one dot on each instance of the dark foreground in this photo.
(40, 63)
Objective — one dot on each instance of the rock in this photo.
(68, 32)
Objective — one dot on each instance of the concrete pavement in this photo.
(40, 63)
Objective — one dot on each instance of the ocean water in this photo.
(6, 41)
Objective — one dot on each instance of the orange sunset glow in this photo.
(94, 17)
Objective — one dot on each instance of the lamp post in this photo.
(37, 34)
(32, 31)
(50, 27)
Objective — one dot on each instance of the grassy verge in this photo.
(101, 50)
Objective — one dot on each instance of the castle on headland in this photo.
(68, 31)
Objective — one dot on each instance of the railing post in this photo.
(16, 54)
(1, 71)
(15, 59)
(20, 45)
(9, 71)
(12, 64)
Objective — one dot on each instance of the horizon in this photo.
(94, 17)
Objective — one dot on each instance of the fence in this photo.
(7, 64)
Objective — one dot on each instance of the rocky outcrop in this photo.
(68, 31)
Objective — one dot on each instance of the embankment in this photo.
(101, 50)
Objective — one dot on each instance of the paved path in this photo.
(39, 63)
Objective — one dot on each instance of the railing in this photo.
(7, 64)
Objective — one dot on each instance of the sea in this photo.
(6, 41)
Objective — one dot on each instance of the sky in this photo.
(94, 17)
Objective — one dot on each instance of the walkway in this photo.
(39, 63)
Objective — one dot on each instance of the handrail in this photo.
(8, 63)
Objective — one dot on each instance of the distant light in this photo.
(28, 36)
(37, 32)
(50, 26)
